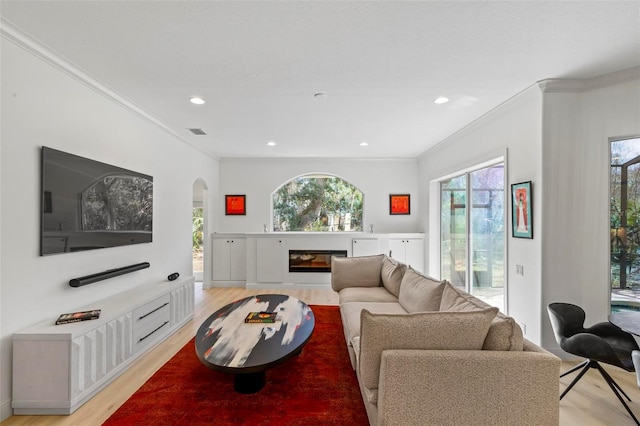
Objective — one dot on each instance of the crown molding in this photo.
(10, 32)
(315, 160)
(531, 90)
(568, 85)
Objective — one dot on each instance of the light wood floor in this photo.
(590, 402)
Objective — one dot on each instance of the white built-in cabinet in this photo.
(57, 368)
(409, 251)
(270, 260)
(365, 247)
(229, 259)
(260, 260)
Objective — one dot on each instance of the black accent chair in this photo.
(603, 342)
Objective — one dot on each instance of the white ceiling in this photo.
(381, 64)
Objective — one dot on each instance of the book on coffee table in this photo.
(261, 317)
(78, 316)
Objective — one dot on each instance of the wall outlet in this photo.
(520, 270)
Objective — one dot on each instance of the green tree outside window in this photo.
(317, 203)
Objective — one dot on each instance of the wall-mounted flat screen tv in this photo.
(90, 205)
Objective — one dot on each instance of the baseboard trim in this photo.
(270, 286)
(5, 411)
(223, 284)
(313, 286)
(287, 286)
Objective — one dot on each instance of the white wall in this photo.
(512, 129)
(42, 105)
(577, 126)
(556, 134)
(376, 178)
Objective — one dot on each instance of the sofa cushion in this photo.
(504, 334)
(391, 274)
(419, 293)
(425, 330)
(351, 314)
(361, 271)
(369, 294)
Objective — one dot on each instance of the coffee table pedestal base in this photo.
(249, 382)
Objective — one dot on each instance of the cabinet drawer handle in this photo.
(156, 309)
(163, 324)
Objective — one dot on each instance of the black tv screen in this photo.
(89, 205)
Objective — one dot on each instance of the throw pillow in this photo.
(392, 273)
(419, 293)
(504, 334)
(426, 330)
(454, 299)
(361, 271)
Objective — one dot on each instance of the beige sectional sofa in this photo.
(428, 353)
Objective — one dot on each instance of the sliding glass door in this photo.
(453, 231)
(472, 226)
(624, 205)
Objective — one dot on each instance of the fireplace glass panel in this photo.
(312, 260)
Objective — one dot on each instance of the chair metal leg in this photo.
(611, 383)
(615, 387)
(586, 366)
(577, 367)
(610, 379)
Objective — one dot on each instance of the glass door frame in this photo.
(435, 224)
(613, 234)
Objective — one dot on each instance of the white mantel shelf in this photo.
(260, 260)
(298, 234)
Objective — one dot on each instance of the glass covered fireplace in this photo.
(312, 260)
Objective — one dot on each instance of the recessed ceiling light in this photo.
(197, 100)
(364, 143)
(271, 143)
(441, 100)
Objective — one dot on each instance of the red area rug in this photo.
(319, 387)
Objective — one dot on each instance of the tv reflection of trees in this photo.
(118, 203)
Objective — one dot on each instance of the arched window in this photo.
(317, 203)
(118, 203)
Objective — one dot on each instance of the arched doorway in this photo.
(200, 246)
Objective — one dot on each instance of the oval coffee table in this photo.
(226, 343)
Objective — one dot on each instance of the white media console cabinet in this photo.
(57, 368)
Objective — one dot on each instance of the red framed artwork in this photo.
(399, 204)
(235, 205)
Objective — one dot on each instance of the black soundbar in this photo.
(88, 279)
